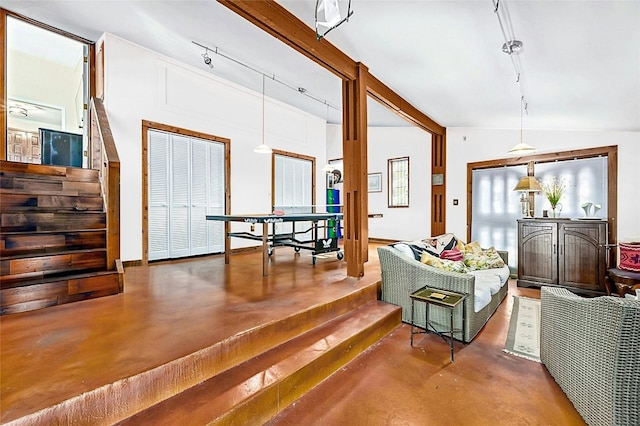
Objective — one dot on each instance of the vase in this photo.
(555, 210)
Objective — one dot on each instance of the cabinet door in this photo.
(537, 254)
(581, 260)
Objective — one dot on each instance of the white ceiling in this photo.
(580, 65)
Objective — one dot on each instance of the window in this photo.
(586, 180)
(293, 185)
(495, 206)
(399, 182)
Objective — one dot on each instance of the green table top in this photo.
(438, 297)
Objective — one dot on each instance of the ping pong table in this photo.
(324, 232)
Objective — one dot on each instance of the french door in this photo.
(186, 183)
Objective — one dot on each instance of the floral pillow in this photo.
(487, 259)
(444, 264)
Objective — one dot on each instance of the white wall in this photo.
(492, 144)
(144, 85)
(385, 143)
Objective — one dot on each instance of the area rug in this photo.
(523, 338)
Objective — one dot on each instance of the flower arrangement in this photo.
(554, 190)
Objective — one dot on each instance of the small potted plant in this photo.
(554, 190)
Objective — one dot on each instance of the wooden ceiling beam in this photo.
(286, 27)
(383, 94)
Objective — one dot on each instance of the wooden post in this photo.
(438, 190)
(354, 148)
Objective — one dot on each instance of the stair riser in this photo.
(10, 168)
(270, 335)
(269, 402)
(39, 222)
(38, 244)
(22, 299)
(11, 270)
(52, 185)
(13, 203)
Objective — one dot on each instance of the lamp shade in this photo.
(528, 184)
(522, 148)
(263, 149)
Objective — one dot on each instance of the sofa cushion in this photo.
(490, 278)
(481, 297)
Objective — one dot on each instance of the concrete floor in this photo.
(169, 310)
(395, 384)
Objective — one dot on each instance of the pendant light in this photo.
(263, 148)
(522, 148)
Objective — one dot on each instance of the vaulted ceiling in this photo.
(579, 66)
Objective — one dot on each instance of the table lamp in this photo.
(526, 185)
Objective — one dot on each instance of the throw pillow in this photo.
(489, 259)
(455, 255)
(437, 245)
(473, 247)
(444, 264)
(430, 260)
(404, 249)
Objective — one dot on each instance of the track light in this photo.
(207, 59)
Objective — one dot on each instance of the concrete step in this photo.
(258, 389)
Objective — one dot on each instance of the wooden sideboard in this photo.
(563, 253)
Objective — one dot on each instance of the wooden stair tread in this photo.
(279, 376)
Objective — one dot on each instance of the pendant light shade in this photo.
(263, 149)
(522, 148)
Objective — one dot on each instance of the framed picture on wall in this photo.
(375, 182)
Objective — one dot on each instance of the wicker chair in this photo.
(591, 347)
(402, 276)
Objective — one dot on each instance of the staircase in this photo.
(258, 385)
(53, 237)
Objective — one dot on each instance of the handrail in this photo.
(104, 158)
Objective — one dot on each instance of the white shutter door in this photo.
(293, 190)
(180, 186)
(199, 183)
(158, 194)
(216, 201)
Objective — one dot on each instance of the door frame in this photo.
(150, 125)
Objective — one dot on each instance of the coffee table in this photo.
(443, 298)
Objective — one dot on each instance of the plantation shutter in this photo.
(186, 182)
(180, 197)
(216, 199)
(199, 183)
(293, 190)
(158, 195)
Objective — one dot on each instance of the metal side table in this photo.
(446, 299)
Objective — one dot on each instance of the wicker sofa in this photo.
(402, 275)
(591, 347)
